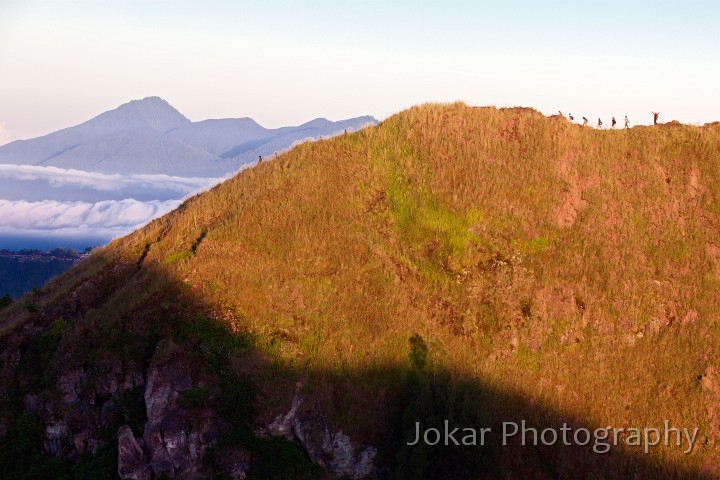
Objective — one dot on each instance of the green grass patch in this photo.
(176, 257)
(438, 236)
(214, 341)
(713, 206)
(37, 363)
(535, 246)
(528, 358)
(310, 344)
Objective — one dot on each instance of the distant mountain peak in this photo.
(149, 135)
(153, 112)
(149, 103)
(322, 122)
(317, 122)
(150, 99)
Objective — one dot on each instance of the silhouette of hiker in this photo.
(571, 117)
(259, 158)
(614, 122)
(627, 122)
(599, 123)
(585, 122)
(655, 117)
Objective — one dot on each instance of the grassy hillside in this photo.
(494, 265)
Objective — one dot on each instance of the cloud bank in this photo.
(50, 206)
(50, 215)
(59, 177)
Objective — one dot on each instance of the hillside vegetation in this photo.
(488, 264)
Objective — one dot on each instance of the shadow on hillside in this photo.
(379, 405)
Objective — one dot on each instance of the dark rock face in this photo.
(167, 430)
(169, 374)
(109, 414)
(70, 386)
(57, 436)
(234, 462)
(75, 405)
(85, 407)
(131, 458)
(82, 402)
(334, 451)
(174, 441)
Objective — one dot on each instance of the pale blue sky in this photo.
(283, 63)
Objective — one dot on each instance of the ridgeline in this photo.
(479, 265)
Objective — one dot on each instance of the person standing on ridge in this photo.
(585, 122)
(599, 124)
(655, 117)
(627, 122)
(571, 117)
(613, 122)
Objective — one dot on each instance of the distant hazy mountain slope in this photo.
(236, 138)
(218, 136)
(150, 113)
(141, 151)
(283, 138)
(150, 136)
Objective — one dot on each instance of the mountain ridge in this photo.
(474, 265)
(150, 136)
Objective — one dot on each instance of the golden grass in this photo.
(576, 267)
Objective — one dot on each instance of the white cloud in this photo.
(118, 216)
(45, 203)
(59, 177)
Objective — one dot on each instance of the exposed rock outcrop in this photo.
(282, 426)
(334, 451)
(131, 458)
(174, 441)
(56, 435)
(82, 407)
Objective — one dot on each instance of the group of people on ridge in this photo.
(614, 122)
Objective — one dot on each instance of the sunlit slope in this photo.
(576, 268)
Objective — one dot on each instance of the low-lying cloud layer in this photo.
(98, 181)
(51, 202)
(33, 183)
(53, 215)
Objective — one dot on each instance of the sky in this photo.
(286, 62)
